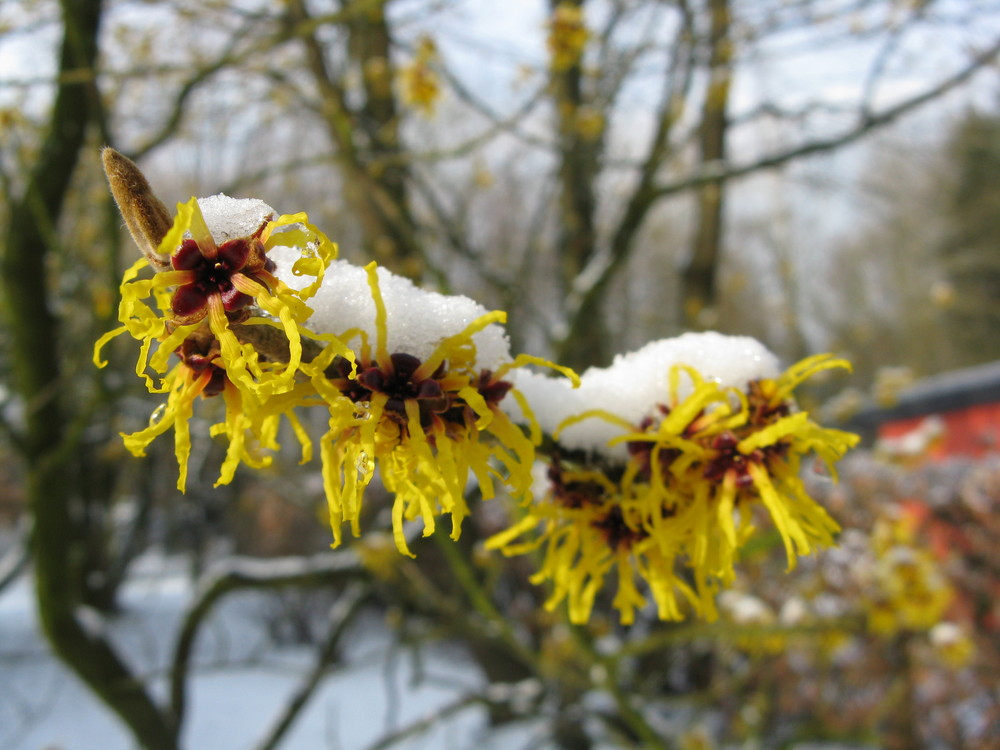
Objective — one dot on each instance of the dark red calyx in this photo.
(617, 533)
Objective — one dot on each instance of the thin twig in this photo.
(239, 574)
(720, 172)
(15, 560)
(342, 614)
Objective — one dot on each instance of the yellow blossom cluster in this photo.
(427, 424)
(952, 644)
(676, 514)
(568, 36)
(421, 86)
(191, 310)
(907, 589)
(429, 417)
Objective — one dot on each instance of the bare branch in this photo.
(588, 288)
(594, 280)
(13, 563)
(50, 485)
(509, 124)
(720, 172)
(230, 58)
(516, 694)
(237, 574)
(342, 615)
(888, 48)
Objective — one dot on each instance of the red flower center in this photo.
(198, 354)
(727, 458)
(212, 276)
(616, 531)
(398, 381)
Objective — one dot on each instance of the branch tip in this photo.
(146, 217)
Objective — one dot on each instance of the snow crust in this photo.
(636, 383)
(417, 319)
(240, 680)
(228, 218)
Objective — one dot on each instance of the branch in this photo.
(511, 123)
(16, 558)
(172, 121)
(341, 616)
(596, 277)
(229, 58)
(888, 49)
(239, 574)
(379, 201)
(34, 330)
(720, 172)
(584, 299)
(518, 694)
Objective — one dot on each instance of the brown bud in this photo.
(146, 217)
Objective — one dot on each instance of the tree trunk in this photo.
(48, 446)
(579, 166)
(698, 279)
(366, 135)
(392, 236)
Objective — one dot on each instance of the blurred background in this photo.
(819, 174)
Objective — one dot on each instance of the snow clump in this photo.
(636, 384)
(417, 320)
(228, 218)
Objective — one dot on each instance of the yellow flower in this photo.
(589, 526)
(420, 83)
(249, 422)
(568, 36)
(428, 424)
(219, 283)
(696, 471)
(909, 590)
(379, 556)
(189, 311)
(952, 644)
(719, 452)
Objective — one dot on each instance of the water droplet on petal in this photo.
(363, 464)
(157, 415)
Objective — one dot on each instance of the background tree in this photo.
(556, 198)
(50, 433)
(971, 251)
(329, 109)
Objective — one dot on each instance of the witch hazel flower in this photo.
(199, 374)
(412, 380)
(700, 436)
(213, 274)
(424, 404)
(218, 275)
(421, 86)
(567, 36)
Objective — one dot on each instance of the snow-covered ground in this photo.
(241, 684)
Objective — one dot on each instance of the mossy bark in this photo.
(699, 291)
(48, 442)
